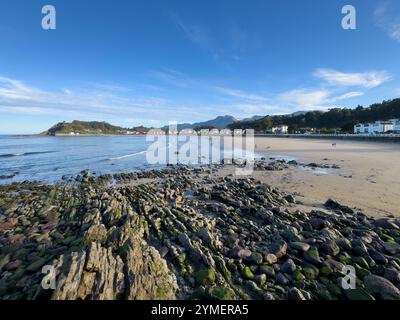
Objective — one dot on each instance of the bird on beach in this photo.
(333, 144)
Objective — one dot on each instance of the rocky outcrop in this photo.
(185, 233)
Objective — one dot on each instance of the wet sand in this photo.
(368, 178)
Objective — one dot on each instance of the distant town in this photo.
(377, 127)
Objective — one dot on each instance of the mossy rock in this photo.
(298, 276)
(347, 231)
(323, 279)
(388, 238)
(361, 262)
(18, 274)
(253, 268)
(334, 288)
(164, 292)
(223, 293)
(205, 276)
(36, 265)
(247, 273)
(222, 267)
(325, 271)
(344, 258)
(310, 272)
(231, 265)
(261, 279)
(362, 273)
(21, 254)
(68, 240)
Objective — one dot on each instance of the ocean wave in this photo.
(127, 155)
(10, 155)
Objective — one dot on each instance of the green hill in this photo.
(90, 127)
(335, 118)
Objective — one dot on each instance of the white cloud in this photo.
(314, 99)
(305, 98)
(369, 79)
(18, 97)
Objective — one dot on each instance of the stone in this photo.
(268, 270)
(270, 258)
(223, 293)
(318, 223)
(310, 272)
(392, 275)
(247, 273)
(377, 256)
(381, 287)
(361, 262)
(300, 246)
(261, 279)
(96, 233)
(281, 279)
(298, 276)
(312, 256)
(13, 265)
(36, 265)
(344, 244)
(333, 265)
(205, 277)
(290, 198)
(358, 294)
(288, 267)
(244, 253)
(254, 258)
(295, 294)
(279, 248)
(334, 205)
(330, 248)
(392, 248)
(325, 271)
(4, 260)
(386, 224)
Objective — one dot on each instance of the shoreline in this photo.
(367, 178)
(392, 138)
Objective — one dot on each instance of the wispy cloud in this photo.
(369, 79)
(227, 43)
(308, 99)
(173, 77)
(18, 97)
(388, 19)
(305, 98)
(241, 94)
(197, 34)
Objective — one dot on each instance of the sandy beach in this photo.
(368, 178)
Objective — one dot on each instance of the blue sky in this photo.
(150, 62)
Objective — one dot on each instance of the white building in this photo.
(280, 129)
(375, 127)
(396, 125)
